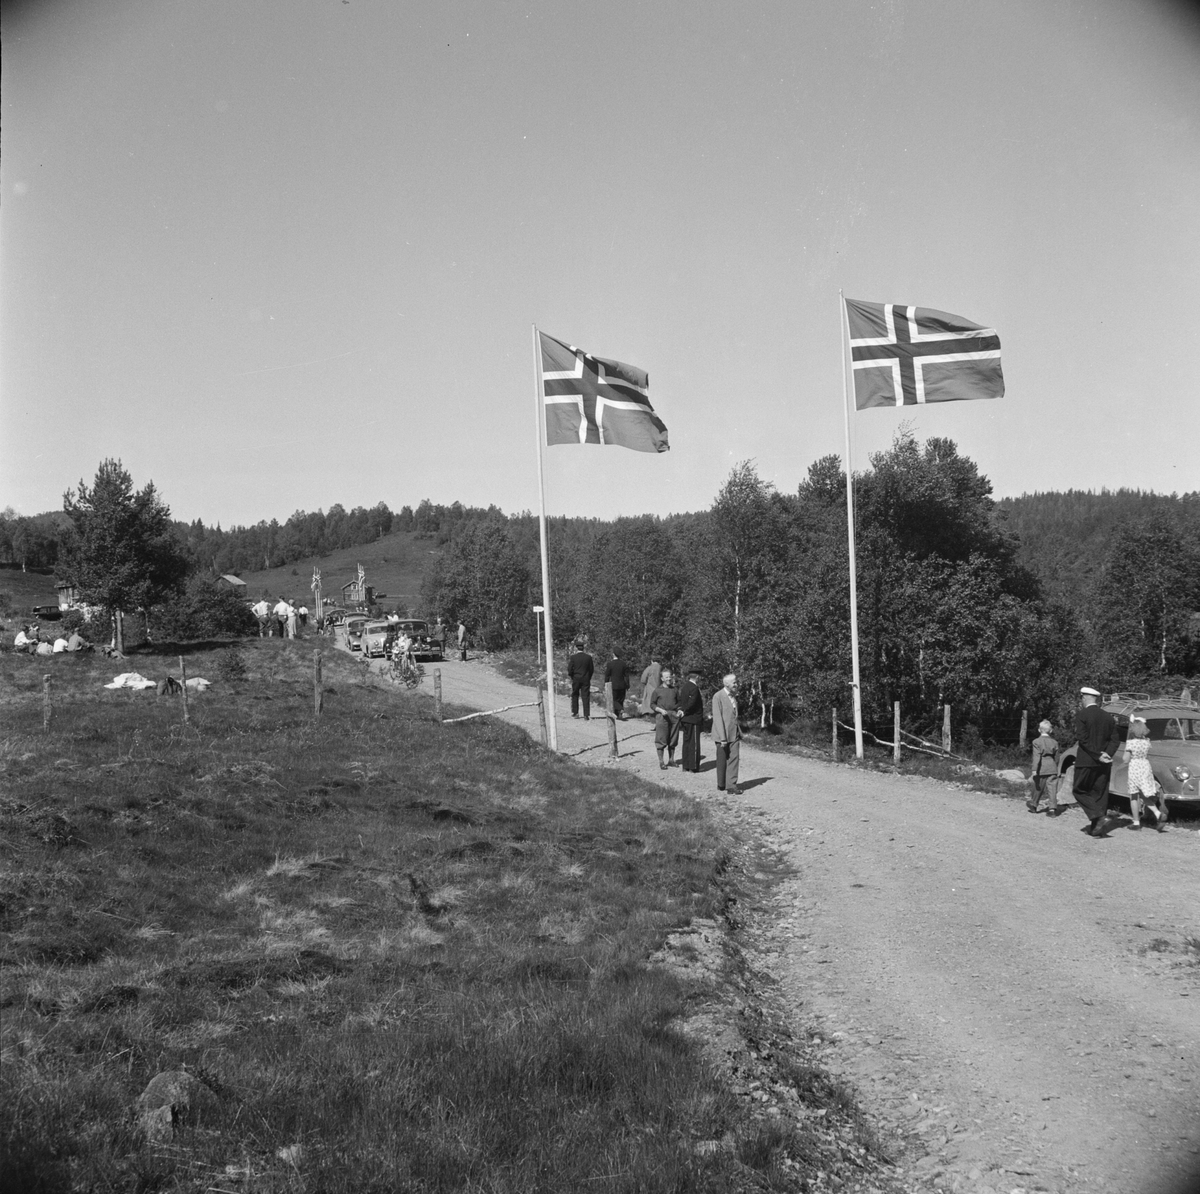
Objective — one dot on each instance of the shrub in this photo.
(204, 610)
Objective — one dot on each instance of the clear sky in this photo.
(280, 254)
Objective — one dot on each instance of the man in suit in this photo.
(727, 736)
(616, 672)
(1099, 739)
(579, 671)
(691, 707)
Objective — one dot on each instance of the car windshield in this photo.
(415, 627)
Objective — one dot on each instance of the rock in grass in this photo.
(170, 1099)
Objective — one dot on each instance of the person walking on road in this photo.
(651, 679)
(727, 736)
(691, 717)
(1099, 739)
(1043, 772)
(616, 672)
(580, 669)
(664, 703)
(1142, 784)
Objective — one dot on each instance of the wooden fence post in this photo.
(1024, 727)
(946, 729)
(437, 694)
(46, 710)
(542, 715)
(318, 687)
(896, 733)
(611, 718)
(183, 688)
(837, 751)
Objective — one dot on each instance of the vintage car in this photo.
(425, 644)
(1174, 744)
(354, 624)
(376, 638)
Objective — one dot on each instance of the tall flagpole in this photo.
(844, 336)
(541, 439)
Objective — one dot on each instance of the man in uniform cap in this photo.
(1096, 732)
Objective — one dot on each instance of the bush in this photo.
(204, 610)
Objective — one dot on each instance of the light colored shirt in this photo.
(45, 649)
(60, 644)
(22, 639)
(261, 609)
(282, 609)
(75, 642)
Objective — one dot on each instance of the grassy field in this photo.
(395, 565)
(391, 954)
(20, 591)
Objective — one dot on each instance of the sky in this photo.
(282, 254)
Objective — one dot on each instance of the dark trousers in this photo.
(728, 757)
(581, 688)
(1090, 789)
(691, 746)
(619, 701)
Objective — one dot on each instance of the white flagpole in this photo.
(541, 439)
(844, 336)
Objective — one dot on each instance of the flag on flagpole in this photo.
(591, 400)
(903, 356)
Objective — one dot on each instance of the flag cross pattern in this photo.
(922, 356)
(591, 400)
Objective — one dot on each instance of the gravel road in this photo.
(1016, 1000)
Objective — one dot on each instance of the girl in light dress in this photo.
(1141, 777)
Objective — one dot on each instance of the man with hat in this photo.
(1096, 732)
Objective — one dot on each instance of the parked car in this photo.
(47, 613)
(354, 624)
(424, 644)
(1174, 744)
(376, 638)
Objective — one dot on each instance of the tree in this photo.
(123, 554)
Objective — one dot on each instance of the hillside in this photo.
(1065, 536)
(20, 591)
(395, 564)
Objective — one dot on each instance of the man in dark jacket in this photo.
(616, 671)
(1099, 739)
(579, 671)
(691, 705)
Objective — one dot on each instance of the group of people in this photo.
(1099, 742)
(282, 620)
(29, 639)
(678, 711)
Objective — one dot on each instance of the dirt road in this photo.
(1016, 999)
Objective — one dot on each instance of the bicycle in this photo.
(406, 671)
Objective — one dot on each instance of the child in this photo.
(1141, 777)
(1044, 772)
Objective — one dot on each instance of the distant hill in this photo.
(395, 564)
(23, 590)
(1065, 536)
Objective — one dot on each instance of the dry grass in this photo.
(401, 956)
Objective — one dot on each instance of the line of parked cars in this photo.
(374, 636)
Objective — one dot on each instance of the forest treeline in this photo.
(989, 606)
(954, 606)
(37, 541)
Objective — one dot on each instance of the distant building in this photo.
(226, 581)
(68, 595)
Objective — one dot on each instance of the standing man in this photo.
(727, 735)
(651, 679)
(280, 610)
(691, 710)
(580, 669)
(262, 611)
(616, 671)
(303, 612)
(291, 620)
(1099, 739)
(462, 641)
(439, 637)
(664, 703)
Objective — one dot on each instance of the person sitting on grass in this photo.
(60, 645)
(76, 642)
(24, 641)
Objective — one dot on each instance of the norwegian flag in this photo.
(903, 356)
(590, 400)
